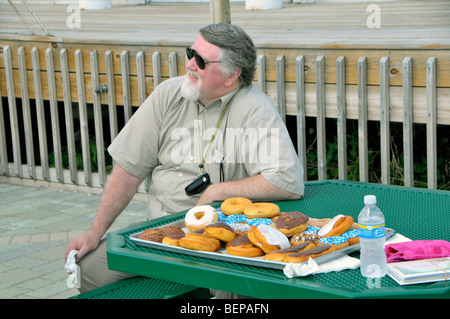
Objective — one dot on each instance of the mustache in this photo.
(192, 73)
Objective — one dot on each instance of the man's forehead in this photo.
(204, 47)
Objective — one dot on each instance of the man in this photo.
(211, 122)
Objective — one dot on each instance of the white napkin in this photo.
(344, 262)
(311, 267)
(397, 238)
(72, 269)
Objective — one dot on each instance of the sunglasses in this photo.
(201, 62)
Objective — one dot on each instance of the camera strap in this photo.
(200, 166)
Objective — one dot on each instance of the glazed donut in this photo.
(279, 255)
(291, 223)
(311, 253)
(234, 205)
(199, 242)
(268, 238)
(157, 234)
(173, 240)
(259, 210)
(200, 216)
(221, 231)
(337, 226)
(242, 246)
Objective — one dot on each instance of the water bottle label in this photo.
(371, 231)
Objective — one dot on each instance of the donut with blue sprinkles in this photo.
(311, 230)
(220, 216)
(340, 241)
(352, 236)
(236, 218)
(259, 221)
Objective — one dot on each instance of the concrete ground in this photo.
(36, 225)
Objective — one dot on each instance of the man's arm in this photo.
(254, 187)
(118, 193)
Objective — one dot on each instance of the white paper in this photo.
(311, 267)
(72, 269)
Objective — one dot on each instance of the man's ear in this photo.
(233, 78)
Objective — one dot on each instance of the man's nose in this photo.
(191, 65)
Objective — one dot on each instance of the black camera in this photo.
(198, 185)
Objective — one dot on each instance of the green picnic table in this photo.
(412, 212)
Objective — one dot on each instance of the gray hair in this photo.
(238, 50)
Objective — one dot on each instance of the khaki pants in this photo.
(94, 273)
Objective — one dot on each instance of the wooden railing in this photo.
(301, 85)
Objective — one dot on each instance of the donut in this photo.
(236, 219)
(157, 234)
(240, 228)
(259, 210)
(173, 240)
(352, 236)
(242, 246)
(311, 230)
(199, 242)
(319, 222)
(304, 238)
(308, 235)
(291, 223)
(200, 216)
(234, 205)
(336, 226)
(221, 231)
(338, 242)
(259, 221)
(268, 238)
(279, 255)
(303, 256)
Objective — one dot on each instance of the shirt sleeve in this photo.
(271, 151)
(135, 148)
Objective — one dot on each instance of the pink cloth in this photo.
(416, 249)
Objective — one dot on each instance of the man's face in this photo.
(207, 84)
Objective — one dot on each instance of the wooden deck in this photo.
(417, 29)
(314, 60)
(403, 25)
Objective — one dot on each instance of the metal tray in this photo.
(223, 255)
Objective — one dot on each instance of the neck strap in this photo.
(200, 166)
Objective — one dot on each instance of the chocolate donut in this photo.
(291, 223)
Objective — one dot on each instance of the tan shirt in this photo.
(168, 137)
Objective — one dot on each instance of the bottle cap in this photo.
(370, 199)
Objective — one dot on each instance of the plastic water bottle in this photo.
(372, 237)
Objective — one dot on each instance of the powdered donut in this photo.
(200, 216)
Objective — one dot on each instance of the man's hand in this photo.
(84, 244)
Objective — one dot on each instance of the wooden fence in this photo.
(323, 86)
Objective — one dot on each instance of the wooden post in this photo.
(220, 11)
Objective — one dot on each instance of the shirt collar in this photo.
(221, 102)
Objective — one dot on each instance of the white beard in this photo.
(189, 89)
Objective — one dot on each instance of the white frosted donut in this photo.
(200, 216)
(329, 226)
(274, 236)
